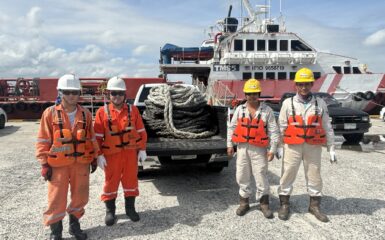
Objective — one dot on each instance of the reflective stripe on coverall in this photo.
(122, 166)
(252, 160)
(309, 154)
(75, 175)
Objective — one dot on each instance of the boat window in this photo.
(356, 70)
(258, 75)
(261, 45)
(297, 45)
(337, 69)
(317, 75)
(347, 70)
(282, 75)
(272, 45)
(292, 75)
(246, 75)
(283, 45)
(270, 75)
(249, 44)
(238, 45)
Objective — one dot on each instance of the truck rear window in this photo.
(144, 94)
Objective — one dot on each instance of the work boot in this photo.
(283, 211)
(315, 210)
(264, 203)
(75, 230)
(56, 230)
(243, 206)
(130, 209)
(110, 212)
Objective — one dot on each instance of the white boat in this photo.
(259, 46)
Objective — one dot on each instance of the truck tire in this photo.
(2, 121)
(353, 138)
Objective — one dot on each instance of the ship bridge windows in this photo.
(258, 75)
(246, 75)
(292, 75)
(356, 70)
(261, 45)
(249, 44)
(238, 45)
(347, 70)
(337, 69)
(282, 75)
(297, 45)
(316, 75)
(283, 45)
(270, 75)
(272, 45)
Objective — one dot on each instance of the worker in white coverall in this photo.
(305, 126)
(254, 129)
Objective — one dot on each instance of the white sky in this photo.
(116, 37)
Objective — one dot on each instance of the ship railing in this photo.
(219, 94)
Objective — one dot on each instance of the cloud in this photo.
(140, 50)
(376, 39)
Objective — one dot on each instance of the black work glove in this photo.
(93, 166)
(46, 172)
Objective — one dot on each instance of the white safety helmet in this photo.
(68, 82)
(116, 84)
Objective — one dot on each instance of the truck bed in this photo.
(161, 146)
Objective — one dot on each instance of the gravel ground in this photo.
(190, 203)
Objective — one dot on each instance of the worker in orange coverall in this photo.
(122, 138)
(66, 148)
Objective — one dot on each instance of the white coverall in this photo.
(309, 154)
(252, 160)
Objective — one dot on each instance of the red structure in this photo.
(27, 98)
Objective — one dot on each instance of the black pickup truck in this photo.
(350, 123)
(211, 151)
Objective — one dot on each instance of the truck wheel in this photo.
(353, 138)
(2, 121)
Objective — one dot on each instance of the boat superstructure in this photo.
(260, 47)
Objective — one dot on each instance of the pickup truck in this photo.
(210, 151)
(350, 123)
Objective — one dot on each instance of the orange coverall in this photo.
(76, 175)
(122, 166)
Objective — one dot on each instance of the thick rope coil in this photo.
(178, 111)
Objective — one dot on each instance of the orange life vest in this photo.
(66, 149)
(250, 131)
(84, 145)
(115, 140)
(297, 132)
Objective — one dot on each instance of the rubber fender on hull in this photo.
(8, 108)
(21, 106)
(358, 96)
(35, 107)
(369, 95)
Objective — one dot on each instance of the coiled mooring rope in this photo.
(178, 111)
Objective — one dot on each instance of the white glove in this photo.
(279, 153)
(332, 153)
(102, 162)
(142, 155)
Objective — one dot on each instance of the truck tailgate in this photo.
(171, 146)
